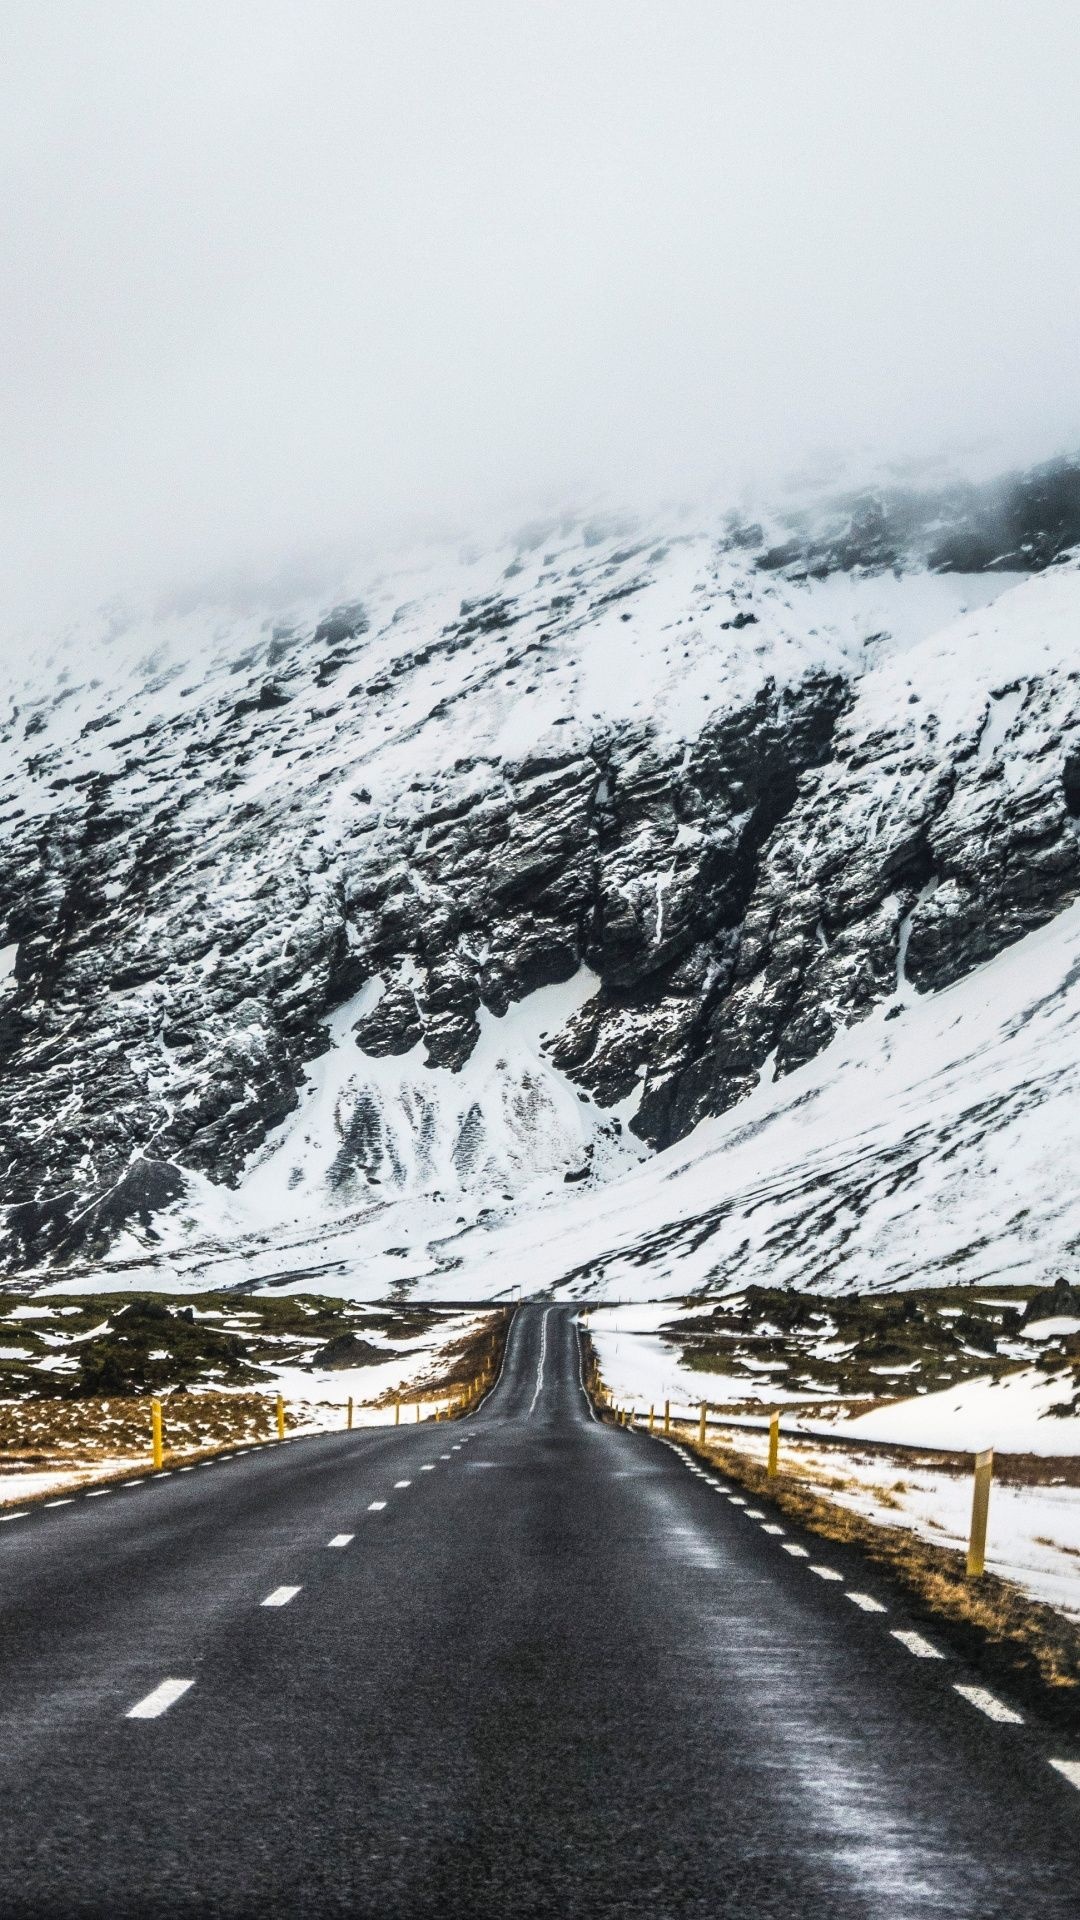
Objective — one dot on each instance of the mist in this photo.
(285, 280)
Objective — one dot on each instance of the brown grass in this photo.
(1028, 1646)
(460, 1365)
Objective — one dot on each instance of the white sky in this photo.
(278, 277)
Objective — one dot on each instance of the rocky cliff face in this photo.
(724, 789)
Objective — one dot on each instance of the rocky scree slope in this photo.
(730, 783)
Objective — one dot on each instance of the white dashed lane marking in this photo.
(736, 1500)
(754, 1513)
(99, 1493)
(14, 1516)
(770, 1529)
(797, 1553)
(429, 1467)
(60, 1503)
(376, 1506)
(915, 1644)
(826, 1573)
(341, 1540)
(158, 1702)
(867, 1602)
(280, 1597)
(402, 1483)
(1070, 1769)
(989, 1704)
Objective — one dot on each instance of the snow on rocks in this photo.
(753, 786)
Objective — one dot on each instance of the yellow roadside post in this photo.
(397, 1413)
(774, 1445)
(667, 1416)
(980, 1507)
(701, 1427)
(348, 1416)
(652, 1418)
(280, 1418)
(155, 1427)
(418, 1413)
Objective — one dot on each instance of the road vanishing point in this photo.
(519, 1664)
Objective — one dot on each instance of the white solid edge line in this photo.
(1070, 1769)
(989, 1704)
(826, 1573)
(162, 1698)
(915, 1644)
(280, 1597)
(376, 1506)
(341, 1540)
(867, 1602)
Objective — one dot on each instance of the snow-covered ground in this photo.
(1033, 1535)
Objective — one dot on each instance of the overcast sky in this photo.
(279, 277)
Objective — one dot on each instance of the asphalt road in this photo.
(553, 1670)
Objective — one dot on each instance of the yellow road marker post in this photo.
(348, 1416)
(280, 1418)
(980, 1507)
(418, 1413)
(701, 1427)
(667, 1416)
(652, 1419)
(774, 1445)
(397, 1413)
(155, 1429)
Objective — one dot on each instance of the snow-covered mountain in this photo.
(424, 937)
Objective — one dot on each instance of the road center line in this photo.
(280, 1597)
(403, 1483)
(341, 1540)
(158, 1702)
(428, 1467)
(376, 1506)
(540, 1366)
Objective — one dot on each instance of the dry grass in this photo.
(457, 1367)
(1029, 1646)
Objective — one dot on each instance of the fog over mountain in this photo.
(283, 282)
(539, 600)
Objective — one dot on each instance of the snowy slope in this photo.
(390, 937)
